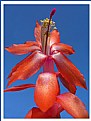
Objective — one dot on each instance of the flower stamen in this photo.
(47, 25)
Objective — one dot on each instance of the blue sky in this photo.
(71, 22)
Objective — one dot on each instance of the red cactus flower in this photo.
(46, 51)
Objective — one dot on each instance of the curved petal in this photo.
(27, 67)
(54, 37)
(20, 49)
(46, 90)
(73, 105)
(19, 88)
(68, 84)
(53, 112)
(64, 48)
(35, 113)
(37, 32)
(68, 70)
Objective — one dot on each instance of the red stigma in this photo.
(52, 12)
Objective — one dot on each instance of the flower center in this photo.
(47, 26)
(45, 23)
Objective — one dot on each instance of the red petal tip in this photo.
(52, 12)
(6, 48)
(19, 87)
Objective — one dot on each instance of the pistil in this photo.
(47, 33)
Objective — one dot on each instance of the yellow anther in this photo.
(41, 21)
(45, 22)
(55, 28)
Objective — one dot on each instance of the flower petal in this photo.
(73, 105)
(64, 48)
(25, 48)
(53, 112)
(35, 113)
(68, 84)
(54, 37)
(46, 90)
(37, 32)
(27, 67)
(68, 70)
(19, 88)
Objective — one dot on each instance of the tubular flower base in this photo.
(44, 52)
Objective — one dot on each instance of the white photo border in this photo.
(2, 50)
